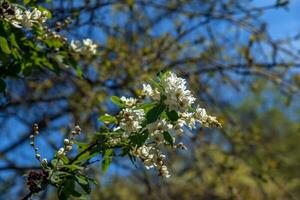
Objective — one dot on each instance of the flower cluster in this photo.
(130, 102)
(22, 18)
(131, 119)
(152, 157)
(149, 92)
(86, 47)
(177, 96)
(144, 128)
(169, 113)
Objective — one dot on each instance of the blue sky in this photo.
(282, 22)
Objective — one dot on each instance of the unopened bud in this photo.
(44, 162)
(66, 141)
(73, 133)
(60, 152)
(77, 129)
(68, 148)
(38, 156)
(35, 127)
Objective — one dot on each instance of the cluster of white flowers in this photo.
(130, 102)
(86, 47)
(149, 92)
(158, 127)
(177, 96)
(132, 119)
(23, 18)
(171, 94)
(68, 143)
(152, 157)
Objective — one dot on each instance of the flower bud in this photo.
(68, 148)
(60, 152)
(66, 141)
(38, 156)
(44, 162)
(77, 129)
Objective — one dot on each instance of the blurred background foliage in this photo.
(234, 64)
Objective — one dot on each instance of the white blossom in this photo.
(149, 92)
(159, 126)
(204, 119)
(163, 171)
(132, 119)
(87, 47)
(26, 18)
(178, 98)
(60, 152)
(129, 101)
(75, 45)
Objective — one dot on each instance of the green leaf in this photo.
(4, 45)
(26, 1)
(56, 162)
(82, 146)
(147, 106)
(107, 158)
(116, 100)
(172, 115)
(2, 85)
(67, 190)
(83, 182)
(86, 156)
(139, 139)
(168, 137)
(153, 83)
(163, 74)
(108, 119)
(74, 167)
(155, 112)
(13, 41)
(79, 73)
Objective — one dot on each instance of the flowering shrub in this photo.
(28, 44)
(141, 130)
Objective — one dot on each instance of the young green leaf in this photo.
(4, 45)
(168, 137)
(139, 139)
(67, 190)
(172, 115)
(108, 119)
(116, 100)
(155, 112)
(107, 158)
(84, 183)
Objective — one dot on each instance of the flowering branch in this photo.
(142, 129)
